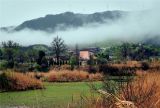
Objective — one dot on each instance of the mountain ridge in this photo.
(62, 21)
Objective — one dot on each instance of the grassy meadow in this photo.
(54, 95)
(130, 83)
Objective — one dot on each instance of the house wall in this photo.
(84, 55)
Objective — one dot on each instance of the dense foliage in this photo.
(134, 51)
(41, 57)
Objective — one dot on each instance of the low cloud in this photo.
(135, 27)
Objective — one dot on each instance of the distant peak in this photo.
(68, 12)
(52, 22)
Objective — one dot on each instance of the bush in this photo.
(96, 76)
(117, 71)
(111, 86)
(10, 64)
(18, 67)
(92, 69)
(144, 66)
(68, 76)
(143, 91)
(3, 64)
(72, 76)
(106, 69)
(11, 81)
(41, 68)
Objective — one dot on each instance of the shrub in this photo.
(106, 69)
(18, 67)
(144, 66)
(38, 75)
(96, 77)
(11, 81)
(117, 71)
(143, 91)
(92, 69)
(3, 64)
(10, 64)
(111, 86)
(69, 76)
(72, 76)
(37, 67)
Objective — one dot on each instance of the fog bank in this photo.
(136, 26)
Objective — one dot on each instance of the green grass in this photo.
(55, 95)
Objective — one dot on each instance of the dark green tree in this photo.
(32, 55)
(77, 55)
(1, 54)
(40, 57)
(9, 49)
(20, 56)
(102, 58)
(42, 61)
(125, 50)
(72, 62)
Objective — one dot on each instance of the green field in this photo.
(54, 95)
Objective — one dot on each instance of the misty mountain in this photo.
(63, 21)
(39, 47)
(155, 40)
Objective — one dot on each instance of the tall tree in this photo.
(58, 47)
(20, 56)
(42, 61)
(1, 54)
(10, 49)
(32, 55)
(77, 55)
(102, 58)
(125, 50)
(40, 57)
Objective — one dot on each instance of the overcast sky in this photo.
(14, 12)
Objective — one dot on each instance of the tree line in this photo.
(13, 55)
